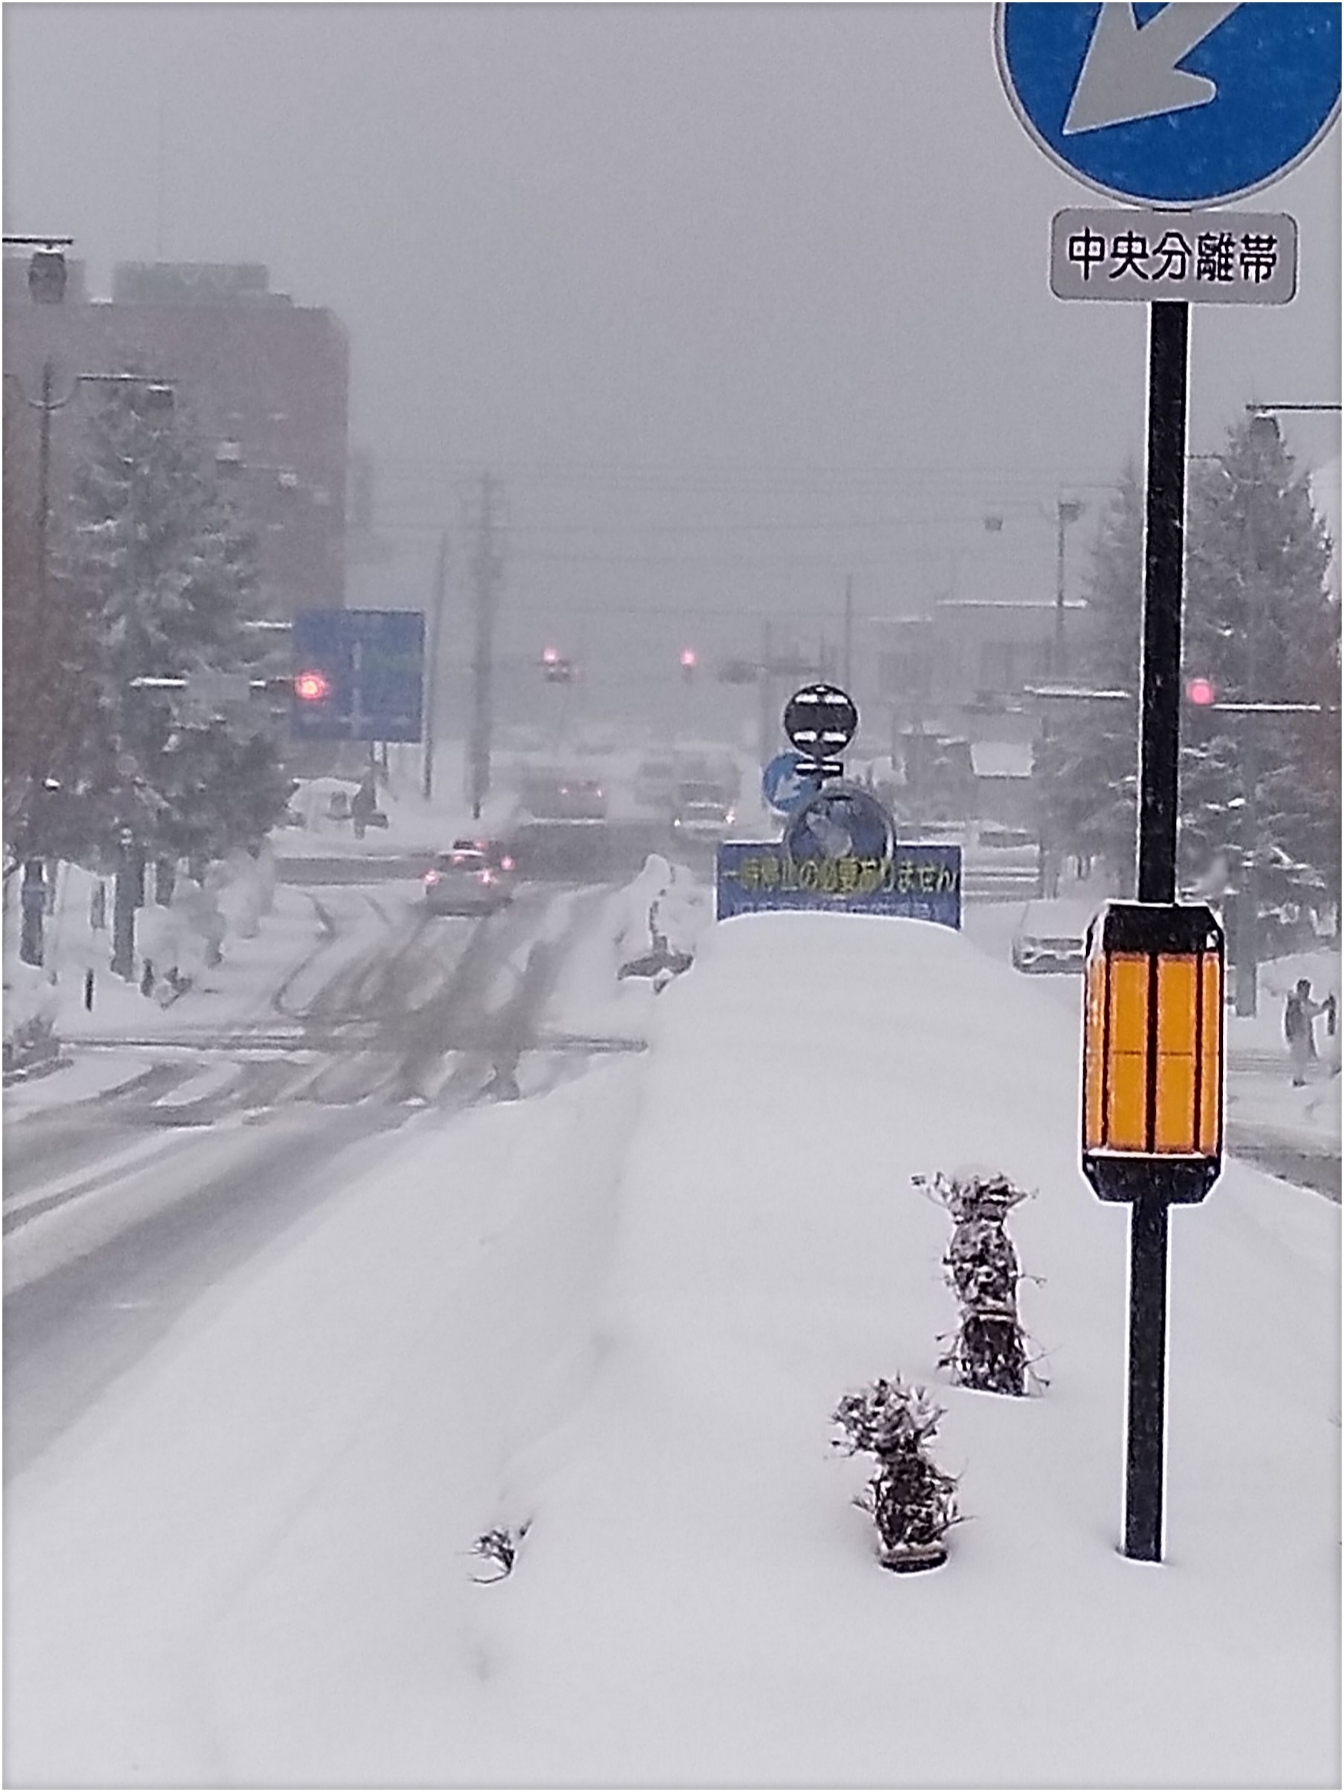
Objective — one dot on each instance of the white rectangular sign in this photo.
(1204, 258)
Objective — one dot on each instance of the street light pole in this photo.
(44, 482)
(487, 568)
(1067, 511)
(432, 671)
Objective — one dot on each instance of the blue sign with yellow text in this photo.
(916, 883)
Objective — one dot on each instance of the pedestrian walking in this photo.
(363, 804)
(1299, 1017)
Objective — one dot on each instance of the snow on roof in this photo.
(1001, 758)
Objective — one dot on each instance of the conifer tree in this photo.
(1087, 769)
(1261, 624)
(173, 577)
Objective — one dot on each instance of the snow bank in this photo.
(591, 997)
(623, 1313)
(692, 1550)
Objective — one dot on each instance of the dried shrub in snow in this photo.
(989, 1348)
(910, 1499)
(500, 1547)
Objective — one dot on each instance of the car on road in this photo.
(499, 855)
(702, 812)
(1051, 935)
(655, 780)
(464, 882)
(563, 796)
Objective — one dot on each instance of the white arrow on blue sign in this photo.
(783, 788)
(1180, 105)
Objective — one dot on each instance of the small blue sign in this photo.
(1175, 105)
(359, 674)
(917, 883)
(841, 820)
(782, 787)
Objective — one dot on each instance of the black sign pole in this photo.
(1159, 751)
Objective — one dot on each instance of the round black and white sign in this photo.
(820, 720)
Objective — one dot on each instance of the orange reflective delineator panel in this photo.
(1152, 1059)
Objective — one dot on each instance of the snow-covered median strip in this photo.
(251, 1565)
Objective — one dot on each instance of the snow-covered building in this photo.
(262, 379)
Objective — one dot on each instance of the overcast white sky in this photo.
(670, 269)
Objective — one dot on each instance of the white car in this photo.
(1051, 936)
(464, 882)
(705, 818)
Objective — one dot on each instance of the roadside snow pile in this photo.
(664, 900)
(198, 954)
(692, 1546)
(30, 1004)
(411, 824)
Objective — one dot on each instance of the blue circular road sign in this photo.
(783, 788)
(841, 821)
(1177, 105)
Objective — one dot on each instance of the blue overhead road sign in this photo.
(1179, 105)
(358, 674)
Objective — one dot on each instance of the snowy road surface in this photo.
(359, 1319)
(120, 1209)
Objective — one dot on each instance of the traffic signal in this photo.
(1199, 724)
(312, 686)
(555, 668)
(689, 661)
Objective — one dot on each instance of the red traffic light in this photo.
(311, 687)
(1201, 692)
(550, 656)
(688, 658)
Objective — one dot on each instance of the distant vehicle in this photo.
(656, 781)
(707, 766)
(464, 882)
(599, 740)
(703, 810)
(497, 855)
(1050, 936)
(563, 796)
(703, 820)
(993, 838)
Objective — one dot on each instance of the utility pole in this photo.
(1264, 438)
(767, 721)
(1067, 510)
(847, 656)
(45, 408)
(432, 670)
(486, 566)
